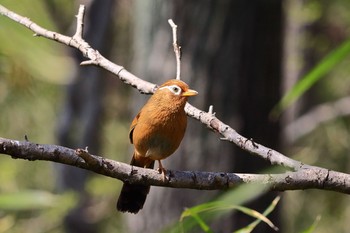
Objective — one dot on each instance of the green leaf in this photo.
(201, 214)
(269, 209)
(200, 222)
(218, 206)
(214, 209)
(313, 226)
(318, 72)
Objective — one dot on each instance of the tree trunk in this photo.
(80, 120)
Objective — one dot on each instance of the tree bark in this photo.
(81, 117)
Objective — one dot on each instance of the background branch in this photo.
(317, 116)
(304, 177)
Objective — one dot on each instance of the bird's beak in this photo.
(190, 93)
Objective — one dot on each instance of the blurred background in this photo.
(241, 56)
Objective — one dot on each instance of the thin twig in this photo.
(80, 22)
(177, 49)
(211, 110)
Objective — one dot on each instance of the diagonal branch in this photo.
(303, 177)
(208, 119)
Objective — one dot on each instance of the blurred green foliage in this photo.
(313, 76)
(33, 75)
(328, 145)
(30, 69)
(37, 57)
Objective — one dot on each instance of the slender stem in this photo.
(177, 49)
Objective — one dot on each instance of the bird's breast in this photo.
(157, 136)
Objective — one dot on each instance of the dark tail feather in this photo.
(132, 197)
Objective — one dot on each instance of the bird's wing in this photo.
(132, 127)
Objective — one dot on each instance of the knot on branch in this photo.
(91, 160)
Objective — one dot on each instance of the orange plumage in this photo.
(156, 133)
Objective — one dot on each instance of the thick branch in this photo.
(308, 178)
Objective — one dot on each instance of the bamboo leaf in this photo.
(313, 76)
(313, 226)
(269, 209)
(200, 222)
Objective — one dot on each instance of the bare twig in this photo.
(305, 176)
(177, 49)
(211, 110)
(80, 22)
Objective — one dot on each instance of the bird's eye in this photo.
(175, 89)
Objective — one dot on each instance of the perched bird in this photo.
(156, 133)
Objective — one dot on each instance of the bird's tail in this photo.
(133, 196)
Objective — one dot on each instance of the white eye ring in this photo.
(173, 88)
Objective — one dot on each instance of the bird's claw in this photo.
(162, 170)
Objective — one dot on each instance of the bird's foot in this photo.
(162, 170)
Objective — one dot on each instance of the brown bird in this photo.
(156, 133)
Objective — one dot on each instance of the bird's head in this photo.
(176, 89)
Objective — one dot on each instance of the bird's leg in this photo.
(162, 170)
